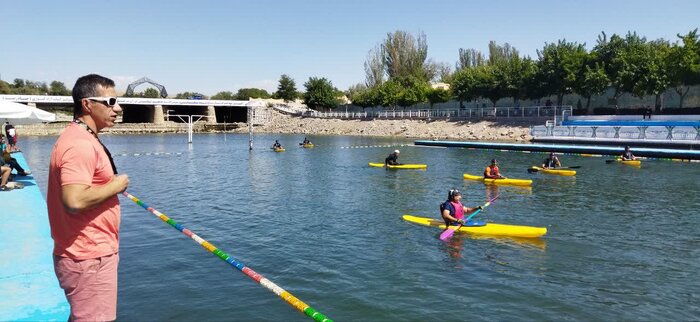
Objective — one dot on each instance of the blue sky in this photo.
(212, 46)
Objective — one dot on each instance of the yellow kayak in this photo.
(400, 166)
(279, 149)
(308, 146)
(559, 172)
(510, 182)
(489, 229)
(635, 163)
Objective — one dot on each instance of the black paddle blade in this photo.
(531, 170)
(610, 161)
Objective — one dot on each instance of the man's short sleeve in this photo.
(78, 164)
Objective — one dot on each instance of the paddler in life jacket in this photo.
(392, 159)
(276, 145)
(551, 162)
(452, 210)
(627, 155)
(491, 172)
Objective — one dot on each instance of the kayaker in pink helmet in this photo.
(452, 210)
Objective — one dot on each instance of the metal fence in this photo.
(669, 133)
(481, 112)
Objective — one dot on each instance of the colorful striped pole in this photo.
(288, 297)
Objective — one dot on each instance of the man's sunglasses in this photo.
(109, 101)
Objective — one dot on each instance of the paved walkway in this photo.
(29, 289)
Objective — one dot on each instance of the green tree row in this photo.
(398, 73)
(27, 87)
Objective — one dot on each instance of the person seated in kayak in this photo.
(452, 210)
(491, 172)
(306, 142)
(551, 162)
(392, 159)
(627, 155)
(277, 145)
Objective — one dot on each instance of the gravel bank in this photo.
(511, 130)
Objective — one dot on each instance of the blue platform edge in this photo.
(581, 149)
(630, 123)
(29, 290)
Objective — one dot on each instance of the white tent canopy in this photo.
(17, 113)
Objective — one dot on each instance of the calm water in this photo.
(623, 243)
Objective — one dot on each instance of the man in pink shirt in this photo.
(83, 206)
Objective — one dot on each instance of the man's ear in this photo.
(85, 104)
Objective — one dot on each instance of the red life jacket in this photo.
(459, 210)
(491, 171)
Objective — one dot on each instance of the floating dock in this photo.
(28, 286)
(674, 154)
(629, 123)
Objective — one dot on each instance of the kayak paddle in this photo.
(451, 229)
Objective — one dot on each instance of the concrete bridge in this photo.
(155, 110)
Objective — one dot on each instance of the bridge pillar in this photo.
(211, 115)
(158, 114)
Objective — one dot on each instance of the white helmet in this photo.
(396, 151)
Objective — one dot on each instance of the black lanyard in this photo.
(109, 155)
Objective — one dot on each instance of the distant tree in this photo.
(500, 53)
(368, 97)
(22, 86)
(655, 80)
(463, 85)
(609, 55)
(18, 83)
(374, 67)
(389, 93)
(58, 88)
(469, 58)
(438, 95)
(245, 94)
(486, 84)
(683, 64)
(405, 55)
(320, 94)
(355, 90)
(635, 61)
(150, 93)
(224, 95)
(286, 89)
(438, 71)
(190, 95)
(558, 67)
(5, 87)
(511, 75)
(413, 91)
(592, 80)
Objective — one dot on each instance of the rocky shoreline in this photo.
(510, 130)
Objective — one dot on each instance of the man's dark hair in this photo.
(86, 86)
